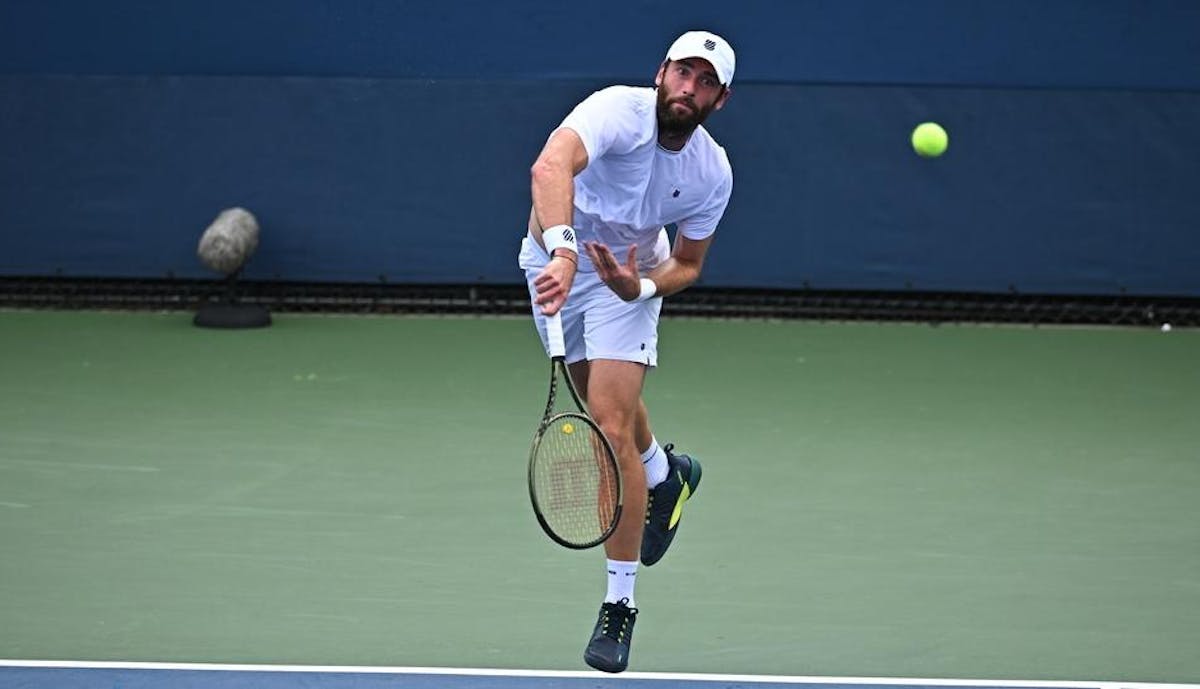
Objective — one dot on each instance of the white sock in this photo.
(621, 578)
(655, 462)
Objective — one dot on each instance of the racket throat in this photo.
(566, 372)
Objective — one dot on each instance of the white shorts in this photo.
(597, 324)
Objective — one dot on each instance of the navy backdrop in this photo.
(391, 140)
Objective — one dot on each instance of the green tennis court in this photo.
(879, 500)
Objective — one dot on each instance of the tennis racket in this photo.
(574, 480)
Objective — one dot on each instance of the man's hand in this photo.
(622, 279)
(553, 284)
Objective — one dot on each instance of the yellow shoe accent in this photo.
(678, 511)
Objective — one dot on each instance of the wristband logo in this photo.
(568, 234)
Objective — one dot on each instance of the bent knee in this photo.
(619, 429)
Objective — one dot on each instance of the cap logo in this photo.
(710, 44)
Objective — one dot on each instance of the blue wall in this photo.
(388, 140)
(1060, 43)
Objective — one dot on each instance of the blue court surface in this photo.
(34, 674)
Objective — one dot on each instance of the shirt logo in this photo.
(710, 44)
(675, 195)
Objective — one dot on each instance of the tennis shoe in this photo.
(664, 507)
(608, 650)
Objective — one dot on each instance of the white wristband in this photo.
(559, 237)
(649, 289)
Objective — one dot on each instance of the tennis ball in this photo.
(929, 140)
(568, 428)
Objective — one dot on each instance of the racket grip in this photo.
(554, 336)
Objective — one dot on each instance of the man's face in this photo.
(688, 90)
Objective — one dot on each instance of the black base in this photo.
(172, 294)
(232, 316)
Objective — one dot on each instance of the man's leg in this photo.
(614, 399)
(671, 479)
(641, 428)
(642, 435)
(614, 391)
(655, 461)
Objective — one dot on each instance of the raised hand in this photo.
(620, 278)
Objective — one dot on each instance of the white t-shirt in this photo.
(632, 187)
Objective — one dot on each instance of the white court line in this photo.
(670, 676)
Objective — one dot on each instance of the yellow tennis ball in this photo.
(568, 428)
(929, 140)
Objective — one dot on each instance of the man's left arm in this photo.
(682, 269)
(675, 274)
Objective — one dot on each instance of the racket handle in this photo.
(554, 336)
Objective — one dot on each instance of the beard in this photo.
(671, 122)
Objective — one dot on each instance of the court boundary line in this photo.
(581, 674)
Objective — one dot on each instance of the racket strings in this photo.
(575, 480)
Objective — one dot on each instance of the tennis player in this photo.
(626, 162)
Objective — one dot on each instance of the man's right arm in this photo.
(553, 190)
(553, 180)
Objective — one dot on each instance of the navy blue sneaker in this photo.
(608, 650)
(664, 507)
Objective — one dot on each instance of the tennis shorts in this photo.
(597, 324)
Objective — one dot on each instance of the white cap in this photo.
(705, 45)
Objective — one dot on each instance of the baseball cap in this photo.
(709, 46)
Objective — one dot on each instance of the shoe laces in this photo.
(616, 620)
